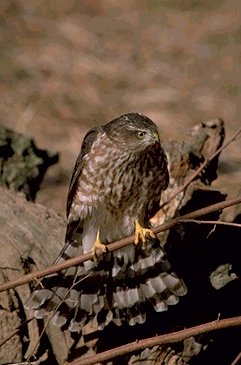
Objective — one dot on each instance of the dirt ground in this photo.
(69, 65)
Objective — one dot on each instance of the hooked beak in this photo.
(156, 137)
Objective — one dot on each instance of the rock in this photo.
(22, 164)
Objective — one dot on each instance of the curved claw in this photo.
(140, 233)
(98, 248)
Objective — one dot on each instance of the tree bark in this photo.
(29, 235)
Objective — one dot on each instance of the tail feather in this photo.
(174, 284)
(125, 298)
(148, 289)
(86, 303)
(77, 323)
(72, 300)
(58, 320)
(158, 304)
(99, 302)
(157, 284)
(38, 298)
(116, 289)
(138, 319)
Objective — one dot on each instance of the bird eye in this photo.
(141, 134)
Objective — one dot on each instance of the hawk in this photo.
(114, 191)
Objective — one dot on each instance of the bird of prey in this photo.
(114, 191)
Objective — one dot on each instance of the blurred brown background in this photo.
(67, 66)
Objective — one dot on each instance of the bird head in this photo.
(134, 131)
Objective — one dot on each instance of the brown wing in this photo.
(74, 226)
(85, 148)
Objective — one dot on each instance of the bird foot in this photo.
(140, 233)
(98, 248)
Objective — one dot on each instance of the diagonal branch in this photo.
(237, 359)
(159, 340)
(115, 245)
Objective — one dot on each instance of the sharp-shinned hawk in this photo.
(115, 189)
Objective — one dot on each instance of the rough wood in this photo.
(29, 235)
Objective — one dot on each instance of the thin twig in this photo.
(115, 245)
(236, 360)
(15, 332)
(40, 360)
(210, 222)
(193, 175)
(159, 340)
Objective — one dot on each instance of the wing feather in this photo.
(85, 148)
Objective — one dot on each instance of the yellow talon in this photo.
(140, 233)
(98, 248)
